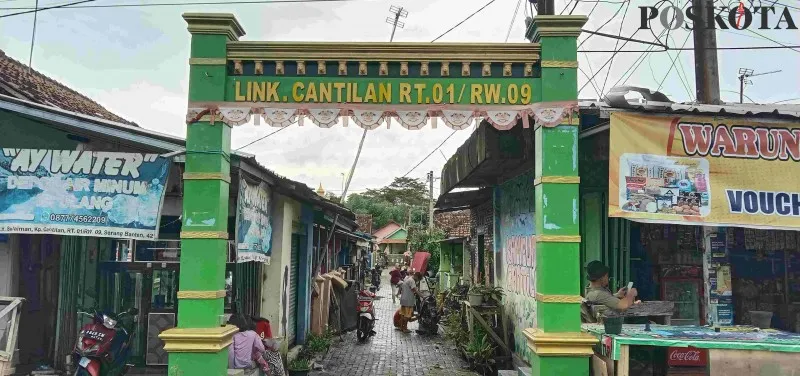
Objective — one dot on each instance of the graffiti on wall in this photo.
(516, 232)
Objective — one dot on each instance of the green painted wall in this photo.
(400, 234)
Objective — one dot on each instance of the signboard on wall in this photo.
(82, 193)
(253, 222)
(702, 170)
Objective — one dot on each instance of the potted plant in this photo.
(493, 295)
(475, 295)
(300, 366)
(480, 354)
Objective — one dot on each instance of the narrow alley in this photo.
(391, 352)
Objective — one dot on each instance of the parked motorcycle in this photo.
(428, 314)
(366, 314)
(104, 345)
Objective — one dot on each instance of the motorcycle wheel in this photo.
(82, 372)
(362, 333)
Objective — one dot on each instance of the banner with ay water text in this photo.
(81, 193)
(253, 222)
(704, 170)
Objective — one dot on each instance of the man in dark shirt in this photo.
(396, 278)
(597, 293)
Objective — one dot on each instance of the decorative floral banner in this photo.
(373, 116)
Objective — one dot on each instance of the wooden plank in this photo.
(723, 362)
(599, 366)
(624, 362)
(488, 329)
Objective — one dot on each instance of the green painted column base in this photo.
(198, 351)
(563, 353)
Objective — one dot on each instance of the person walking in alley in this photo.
(395, 280)
(408, 300)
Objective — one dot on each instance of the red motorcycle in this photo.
(366, 314)
(103, 345)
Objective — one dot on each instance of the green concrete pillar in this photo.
(557, 344)
(197, 346)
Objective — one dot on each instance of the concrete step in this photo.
(524, 371)
(507, 373)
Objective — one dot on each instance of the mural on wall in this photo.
(516, 241)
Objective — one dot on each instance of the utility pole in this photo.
(744, 74)
(545, 7)
(395, 22)
(430, 202)
(706, 67)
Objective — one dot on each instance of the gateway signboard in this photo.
(698, 170)
(83, 193)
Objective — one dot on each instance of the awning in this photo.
(454, 201)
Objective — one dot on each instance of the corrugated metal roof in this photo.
(656, 102)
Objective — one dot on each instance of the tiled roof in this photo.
(18, 81)
(455, 224)
(364, 223)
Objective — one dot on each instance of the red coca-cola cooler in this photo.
(687, 361)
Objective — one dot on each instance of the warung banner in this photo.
(81, 193)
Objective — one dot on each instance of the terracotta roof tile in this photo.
(18, 81)
(454, 224)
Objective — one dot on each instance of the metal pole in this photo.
(706, 67)
(430, 203)
(394, 25)
(741, 88)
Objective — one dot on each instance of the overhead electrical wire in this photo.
(464, 20)
(616, 43)
(259, 139)
(429, 154)
(513, 18)
(76, 4)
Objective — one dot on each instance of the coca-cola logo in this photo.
(688, 356)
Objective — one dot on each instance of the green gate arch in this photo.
(233, 82)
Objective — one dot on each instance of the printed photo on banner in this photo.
(253, 223)
(82, 193)
(664, 185)
(704, 170)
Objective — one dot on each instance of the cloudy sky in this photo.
(134, 61)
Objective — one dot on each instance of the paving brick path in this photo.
(391, 352)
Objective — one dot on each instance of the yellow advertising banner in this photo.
(704, 170)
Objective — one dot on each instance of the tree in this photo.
(394, 202)
(423, 239)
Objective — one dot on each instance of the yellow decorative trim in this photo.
(259, 70)
(214, 24)
(445, 68)
(557, 180)
(558, 238)
(201, 294)
(557, 26)
(301, 68)
(528, 70)
(198, 340)
(558, 298)
(206, 176)
(279, 68)
(207, 61)
(384, 68)
(465, 71)
(237, 67)
(575, 344)
(487, 70)
(506, 69)
(204, 235)
(559, 64)
(362, 68)
(384, 51)
(343, 68)
(322, 68)
(404, 68)
(423, 68)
